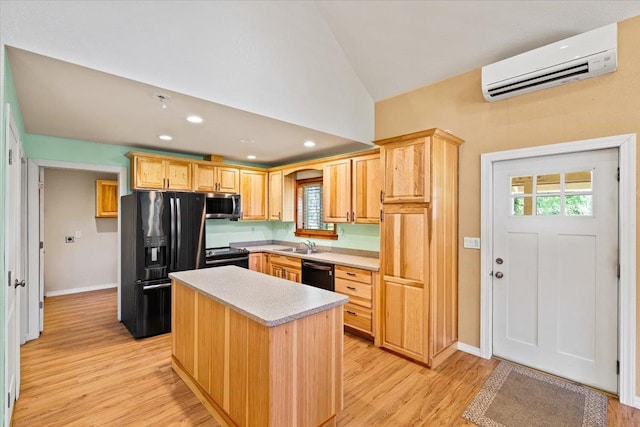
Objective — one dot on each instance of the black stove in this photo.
(217, 257)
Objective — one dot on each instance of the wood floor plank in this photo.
(86, 370)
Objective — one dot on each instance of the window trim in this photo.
(305, 232)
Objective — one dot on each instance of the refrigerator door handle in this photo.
(172, 254)
(179, 227)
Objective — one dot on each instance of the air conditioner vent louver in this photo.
(577, 58)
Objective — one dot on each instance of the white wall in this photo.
(277, 59)
(91, 262)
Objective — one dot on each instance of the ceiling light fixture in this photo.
(247, 140)
(194, 119)
(166, 137)
(163, 98)
(251, 157)
(309, 144)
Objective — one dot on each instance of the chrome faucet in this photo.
(311, 246)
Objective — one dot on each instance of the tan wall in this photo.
(598, 107)
(70, 206)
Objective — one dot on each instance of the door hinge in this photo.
(617, 367)
(41, 245)
(618, 177)
(10, 157)
(9, 400)
(618, 271)
(40, 185)
(41, 304)
(9, 280)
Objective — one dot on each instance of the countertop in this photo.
(366, 263)
(268, 300)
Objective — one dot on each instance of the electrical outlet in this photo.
(472, 242)
(69, 239)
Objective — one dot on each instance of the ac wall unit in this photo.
(577, 58)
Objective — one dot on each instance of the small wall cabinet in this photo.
(151, 172)
(106, 199)
(253, 191)
(211, 178)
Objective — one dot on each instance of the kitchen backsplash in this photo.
(353, 236)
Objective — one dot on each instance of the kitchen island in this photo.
(258, 350)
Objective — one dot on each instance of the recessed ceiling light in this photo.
(247, 140)
(309, 144)
(251, 156)
(194, 119)
(166, 137)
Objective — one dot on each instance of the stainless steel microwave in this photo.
(223, 206)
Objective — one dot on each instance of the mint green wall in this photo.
(352, 236)
(221, 232)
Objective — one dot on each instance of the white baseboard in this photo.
(78, 290)
(636, 402)
(469, 349)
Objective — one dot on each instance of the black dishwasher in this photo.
(318, 274)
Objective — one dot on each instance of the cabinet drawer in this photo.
(357, 317)
(360, 292)
(285, 260)
(350, 273)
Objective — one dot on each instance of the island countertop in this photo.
(268, 300)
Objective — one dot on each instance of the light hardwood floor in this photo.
(86, 370)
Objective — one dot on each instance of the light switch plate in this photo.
(472, 242)
(78, 234)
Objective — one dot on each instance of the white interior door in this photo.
(555, 264)
(13, 254)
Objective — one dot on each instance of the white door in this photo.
(555, 263)
(13, 254)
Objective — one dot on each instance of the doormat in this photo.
(516, 396)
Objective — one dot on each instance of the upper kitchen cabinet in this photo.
(365, 189)
(253, 194)
(281, 196)
(406, 161)
(351, 190)
(153, 172)
(211, 178)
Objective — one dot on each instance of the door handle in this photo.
(20, 283)
(499, 275)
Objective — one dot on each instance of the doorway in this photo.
(35, 232)
(555, 246)
(626, 319)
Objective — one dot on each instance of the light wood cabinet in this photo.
(285, 267)
(281, 196)
(150, 172)
(106, 199)
(351, 190)
(253, 191)
(257, 262)
(419, 246)
(358, 285)
(212, 178)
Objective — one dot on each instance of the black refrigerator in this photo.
(162, 232)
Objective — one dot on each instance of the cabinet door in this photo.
(228, 179)
(203, 178)
(404, 317)
(365, 189)
(178, 174)
(253, 190)
(275, 196)
(406, 171)
(277, 270)
(293, 274)
(183, 303)
(336, 191)
(256, 262)
(149, 173)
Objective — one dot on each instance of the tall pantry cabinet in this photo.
(419, 245)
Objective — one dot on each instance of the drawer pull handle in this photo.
(353, 313)
(350, 274)
(351, 288)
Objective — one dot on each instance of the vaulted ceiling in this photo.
(265, 76)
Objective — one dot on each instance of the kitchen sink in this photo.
(297, 251)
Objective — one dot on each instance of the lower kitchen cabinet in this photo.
(258, 262)
(285, 267)
(358, 285)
